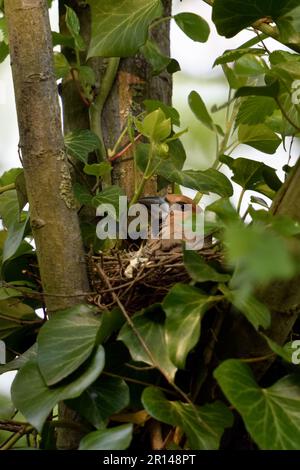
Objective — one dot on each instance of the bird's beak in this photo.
(149, 200)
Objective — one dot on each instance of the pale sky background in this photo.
(196, 62)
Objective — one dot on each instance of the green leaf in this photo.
(152, 53)
(4, 51)
(120, 28)
(203, 425)
(199, 109)
(224, 210)
(255, 110)
(271, 415)
(270, 91)
(86, 75)
(105, 397)
(20, 361)
(193, 26)
(66, 341)
(285, 352)
(111, 195)
(117, 438)
(260, 137)
(10, 176)
(251, 174)
(72, 22)
(80, 143)
(9, 212)
(172, 113)
(155, 126)
(35, 400)
(234, 54)
(185, 307)
(208, 181)
(6, 407)
(234, 80)
(260, 254)
(98, 169)
(61, 65)
(250, 65)
(82, 194)
(150, 326)
(59, 39)
(199, 270)
(255, 311)
(233, 16)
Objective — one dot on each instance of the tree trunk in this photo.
(133, 84)
(53, 213)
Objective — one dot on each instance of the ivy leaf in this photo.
(152, 53)
(233, 16)
(105, 397)
(260, 254)
(250, 65)
(117, 438)
(285, 352)
(260, 137)
(255, 110)
(235, 54)
(73, 26)
(16, 225)
(150, 326)
(4, 51)
(199, 109)
(251, 174)
(80, 143)
(207, 181)
(185, 307)
(6, 407)
(72, 21)
(271, 415)
(199, 270)
(193, 26)
(20, 361)
(110, 195)
(35, 400)
(255, 311)
(98, 169)
(120, 28)
(270, 91)
(82, 194)
(66, 341)
(61, 65)
(203, 425)
(169, 112)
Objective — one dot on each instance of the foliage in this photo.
(112, 369)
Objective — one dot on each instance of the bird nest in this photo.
(136, 280)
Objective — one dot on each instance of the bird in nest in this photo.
(173, 221)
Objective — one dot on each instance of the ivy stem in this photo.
(146, 176)
(8, 187)
(112, 153)
(159, 21)
(239, 205)
(97, 106)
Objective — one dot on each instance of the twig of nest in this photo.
(136, 278)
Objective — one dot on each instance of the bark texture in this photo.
(134, 83)
(53, 212)
(52, 207)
